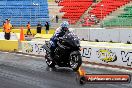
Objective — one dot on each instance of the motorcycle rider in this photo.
(64, 27)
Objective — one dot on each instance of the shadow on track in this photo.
(60, 69)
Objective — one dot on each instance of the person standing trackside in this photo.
(28, 28)
(57, 18)
(47, 27)
(39, 27)
(7, 29)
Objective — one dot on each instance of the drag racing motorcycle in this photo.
(67, 52)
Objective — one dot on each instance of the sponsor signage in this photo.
(110, 56)
(105, 78)
(32, 47)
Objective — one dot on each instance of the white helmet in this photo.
(65, 24)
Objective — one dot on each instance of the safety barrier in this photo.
(33, 47)
(114, 54)
(51, 31)
(111, 54)
(123, 35)
(9, 45)
(46, 36)
(13, 36)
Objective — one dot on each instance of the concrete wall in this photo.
(104, 35)
(114, 54)
(8, 45)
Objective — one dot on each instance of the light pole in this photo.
(21, 15)
(102, 15)
(39, 10)
(36, 5)
(30, 9)
(21, 19)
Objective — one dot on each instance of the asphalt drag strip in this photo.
(19, 71)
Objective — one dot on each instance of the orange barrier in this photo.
(21, 35)
(81, 71)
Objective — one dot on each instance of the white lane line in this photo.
(28, 55)
(108, 68)
(4, 52)
(19, 54)
(36, 57)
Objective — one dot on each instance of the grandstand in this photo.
(121, 20)
(74, 11)
(82, 12)
(22, 11)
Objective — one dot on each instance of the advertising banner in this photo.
(110, 56)
(104, 53)
(32, 47)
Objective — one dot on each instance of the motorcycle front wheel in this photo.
(75, 60)
(49, 61)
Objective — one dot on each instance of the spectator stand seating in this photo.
(104, 8)
(74, 9)
(122, 20)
